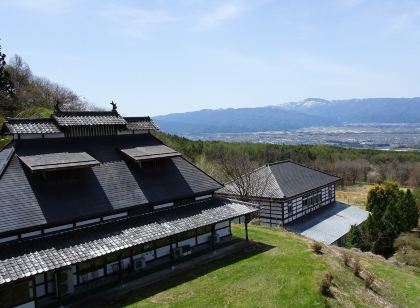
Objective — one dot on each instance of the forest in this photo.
(352, 165)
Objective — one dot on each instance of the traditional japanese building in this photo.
(298, 197)
(87, 197)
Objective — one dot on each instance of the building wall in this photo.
(309, 202)
(277, 213)
(43, 286)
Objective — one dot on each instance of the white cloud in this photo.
(220, 14)
(136, 21)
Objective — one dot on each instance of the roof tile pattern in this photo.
(294, 179)
(18, 206)
(32, 257)
(281, 180)
(31, 126)
(88, 118)
(140, 123)
(114, 184)
(5, 156)
(259, 183)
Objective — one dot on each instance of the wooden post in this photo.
(246, 228)
(171, 251)
(58, 273)
(282, 213)
(34, 290)
(120, 269)
(213, 234)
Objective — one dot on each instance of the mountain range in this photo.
(293, 115)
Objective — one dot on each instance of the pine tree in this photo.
(375, 197)
(354, 237)
(409, 212)
(392, 220)
(391, 212)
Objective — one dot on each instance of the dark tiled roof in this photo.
(79, 118)
(260, 182)
(20, 260)
(55, 161)
(140, 123)
(113, 185)
(294, 179)
(150, 152)
(5, 156)
(282, 180)
(31, 126)
(19, 207)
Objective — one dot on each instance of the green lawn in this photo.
(286, 273)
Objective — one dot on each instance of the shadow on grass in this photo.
(252, 249)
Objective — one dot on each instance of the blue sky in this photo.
(164, 56)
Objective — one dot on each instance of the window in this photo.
(305, 202)
(289, 209)
(153, 164)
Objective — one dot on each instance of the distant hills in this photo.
(293, 115)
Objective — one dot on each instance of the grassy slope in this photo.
(288, 274)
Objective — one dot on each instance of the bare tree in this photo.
(34, 91)
(245, 179)
(414, 179)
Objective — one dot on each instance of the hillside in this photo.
(237, 120)
(294, 115)
(286, 273)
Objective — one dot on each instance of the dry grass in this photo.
(354, 195)
(357, 268)
(316, 247)
(369, 280)
(346, 258)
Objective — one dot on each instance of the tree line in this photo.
(21, 90)
(352, 165)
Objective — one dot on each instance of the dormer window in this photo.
(152, 164)
(151, 157)
(58, 161)
(150, 152)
